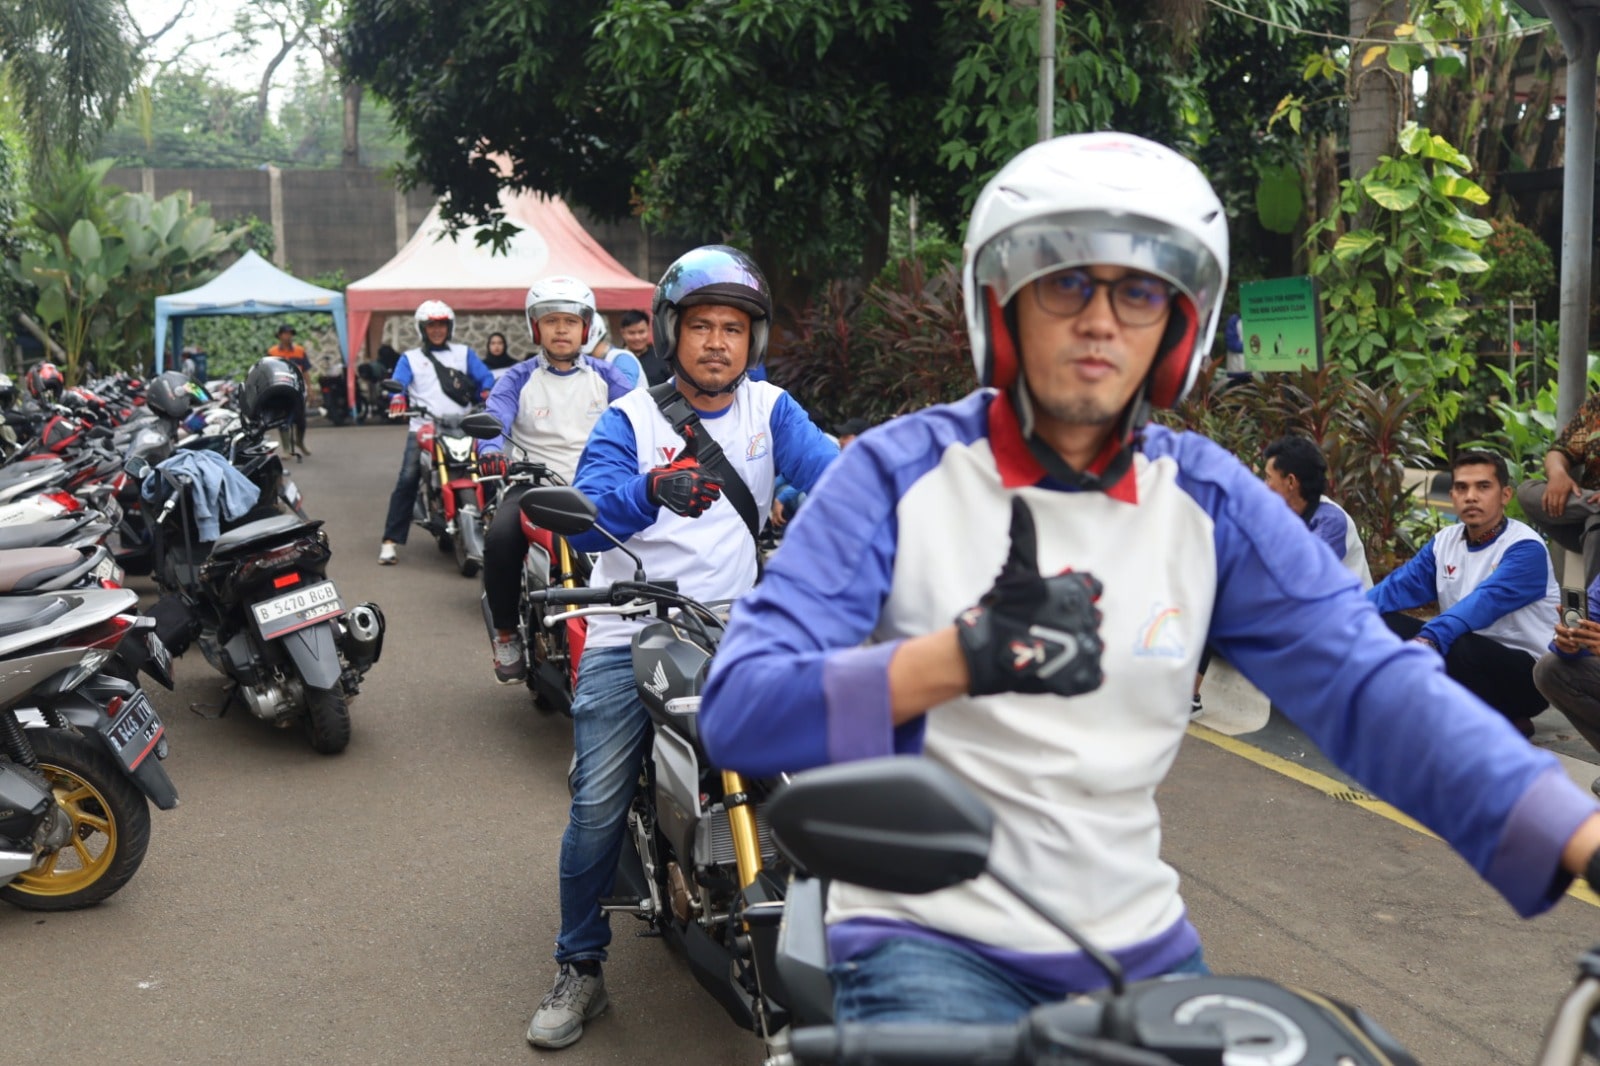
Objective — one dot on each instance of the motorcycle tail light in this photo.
(106, 635)
(305, 550)
(283, 581)
(66, 500)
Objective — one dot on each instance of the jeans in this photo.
(913, 980)
(1577, 530)
(403, 500)
(611, 735)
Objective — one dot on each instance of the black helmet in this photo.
(714, 274)
(170, 394)
(273, 394)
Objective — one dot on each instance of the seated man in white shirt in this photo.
(1298, 472)
(1496, 591)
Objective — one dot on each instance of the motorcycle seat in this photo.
(22, 613)
(35, 534)
(262, 529)
(23, 569)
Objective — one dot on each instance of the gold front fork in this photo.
(742, 823)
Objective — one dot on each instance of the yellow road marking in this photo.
(1339, 790)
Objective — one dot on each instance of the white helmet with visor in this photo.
(1097, 198)
(558, 295)
(434, 311)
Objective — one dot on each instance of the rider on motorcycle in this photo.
(713, 312)
(548, 404)
(598, 347)
(419, 371)
(1059, 691)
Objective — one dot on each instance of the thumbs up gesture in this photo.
(1031, 633)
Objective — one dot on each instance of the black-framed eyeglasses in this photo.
(1136, 300)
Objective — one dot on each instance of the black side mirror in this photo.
(559, 508)
(136, 467)
(101, 433)
(391, 385)
(896, 825)
(483, 426)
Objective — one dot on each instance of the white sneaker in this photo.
(508, 666)
(1195, 709)
(387, 556)
(574, 999)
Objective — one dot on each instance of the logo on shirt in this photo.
(1161, 634)
(757, 448)
(668, 452)
(1450, 571)
(541, 412)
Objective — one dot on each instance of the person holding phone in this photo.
(1568, 675)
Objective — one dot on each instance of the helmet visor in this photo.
(1044, 245)
(560, 307)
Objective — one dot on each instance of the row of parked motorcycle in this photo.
(171, 480)
(732, 871)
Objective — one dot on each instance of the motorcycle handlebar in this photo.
(572, 596)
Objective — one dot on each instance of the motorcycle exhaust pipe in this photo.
(363, 636)
(13, 863)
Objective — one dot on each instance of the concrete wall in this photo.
(354, 220)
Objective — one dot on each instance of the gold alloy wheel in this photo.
(92, 847)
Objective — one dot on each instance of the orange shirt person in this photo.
(295, 355)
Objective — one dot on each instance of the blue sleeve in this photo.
(800, 451)
(1330, 526)
(480, 374)
(1413, 585)
(1294, 621)
(402, 370)
(503, 401)
(789, 496)
(1518, 581)
(628, 363)
(792, 684)
(608, 473)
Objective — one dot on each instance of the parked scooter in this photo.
(450, 501)
(260, 604)
(699, 864)
(76, 783)
(336, 399)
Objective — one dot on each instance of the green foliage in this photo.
(1391, 287)
(898, 346)
(1520, 263)
(99, 258)
(234, 343)
(1368, 434)
(1527, 428)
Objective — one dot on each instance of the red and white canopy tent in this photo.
(470, 277)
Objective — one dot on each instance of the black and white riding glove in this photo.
(1031, 633)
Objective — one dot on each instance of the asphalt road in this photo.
(397, 903)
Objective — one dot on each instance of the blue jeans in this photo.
(913, 980)
(611, 734)
(403, 500)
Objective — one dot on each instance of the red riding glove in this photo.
(683, 487)
(492, 464)
(397, 406)
(1031, 633)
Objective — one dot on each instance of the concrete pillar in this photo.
(280, 257)
(147, 181)
(1580, 39)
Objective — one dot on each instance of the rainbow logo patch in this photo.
(1161, 634)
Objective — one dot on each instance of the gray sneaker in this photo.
(508, 666)
(573, 1000)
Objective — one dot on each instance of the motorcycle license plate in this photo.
(291, 492)
(135, 730)
(107, 569)
(296, 610)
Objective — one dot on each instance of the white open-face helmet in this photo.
(434, 311)
(598, 333)
(558, 294)
(1087, 198)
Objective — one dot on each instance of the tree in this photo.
(71, 64)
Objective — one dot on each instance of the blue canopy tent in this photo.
(252, 286)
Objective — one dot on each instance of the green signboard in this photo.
(1280, 322)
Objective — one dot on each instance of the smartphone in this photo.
(1574, 607)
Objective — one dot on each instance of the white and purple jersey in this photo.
(909, 528)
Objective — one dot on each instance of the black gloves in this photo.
(683, 487)
(492, 464)
(1031, 633)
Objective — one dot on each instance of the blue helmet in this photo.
(713, 274)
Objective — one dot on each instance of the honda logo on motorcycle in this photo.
(657, 685)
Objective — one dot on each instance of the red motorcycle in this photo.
(450, 501)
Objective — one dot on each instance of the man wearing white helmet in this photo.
(442, 376)
(688, 521)
(1058, 691)
(549, 402)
